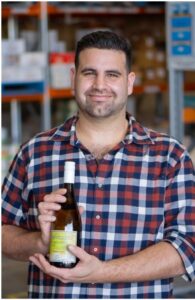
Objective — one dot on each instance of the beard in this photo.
(103, 108)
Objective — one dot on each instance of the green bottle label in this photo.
(60, 240)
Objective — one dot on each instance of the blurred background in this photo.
(38, 43)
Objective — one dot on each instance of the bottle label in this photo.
(58, 246)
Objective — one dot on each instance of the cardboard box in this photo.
(33, 59)
(13, 47)
(14, 74)
(60, 68)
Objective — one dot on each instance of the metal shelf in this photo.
(180, 23)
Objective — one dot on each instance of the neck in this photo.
(110, 125)
(101, 135)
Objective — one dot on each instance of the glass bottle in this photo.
(66, 229)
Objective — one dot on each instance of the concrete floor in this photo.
(14, 279)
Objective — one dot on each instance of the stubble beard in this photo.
(101, 110)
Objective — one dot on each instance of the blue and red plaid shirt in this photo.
(142, 192)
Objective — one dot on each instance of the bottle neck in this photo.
(69, 176)
(69, 195)
(68, 186)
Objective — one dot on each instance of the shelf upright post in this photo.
(176, 104)
(15, 107)
(46, 105)
(16, 128)
(12, 28)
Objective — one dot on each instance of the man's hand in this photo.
(47, 208)
(88, 270)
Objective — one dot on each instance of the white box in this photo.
(60, 75)
(53, 36)
(10, 60)
(33, 59)
(60, 68)
(13, 47)
(17, 74)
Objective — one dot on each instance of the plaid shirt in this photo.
(140, 193)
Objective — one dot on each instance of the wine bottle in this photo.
(66, 229)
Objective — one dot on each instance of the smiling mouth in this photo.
(99, 97)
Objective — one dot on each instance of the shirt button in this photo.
(100, 186)
(95, 249)
(97, 217)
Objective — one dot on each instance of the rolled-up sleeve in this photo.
(14, 204)
(180, 210)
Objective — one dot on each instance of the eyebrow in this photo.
(87, 70)
(114, 71)
(106, 71)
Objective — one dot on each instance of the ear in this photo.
(131, 79)
(72, 77)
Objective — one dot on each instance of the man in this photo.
(136, 188)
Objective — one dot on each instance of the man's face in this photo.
(101, 83)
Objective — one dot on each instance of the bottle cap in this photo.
(69, 171)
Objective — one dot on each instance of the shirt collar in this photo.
(136, 132)
(67, 131)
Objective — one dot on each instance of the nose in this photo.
(99, 82)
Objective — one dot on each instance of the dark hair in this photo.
(104, 40)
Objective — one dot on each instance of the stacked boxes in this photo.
(30, 67)
(21, 66)
(149, 60)
(11, 50)
(60, 69)
(54, 44)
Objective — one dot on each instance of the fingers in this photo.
(51, 202)
(46, 208)
(86, 271)
(57, 196)
(34, 259)
(40, 261)
(46, 218)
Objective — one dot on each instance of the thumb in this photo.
(78, 252)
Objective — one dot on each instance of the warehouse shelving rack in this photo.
(180, 23)
(16, 93)
(42, 10)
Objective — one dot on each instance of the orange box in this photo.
(65, 58)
